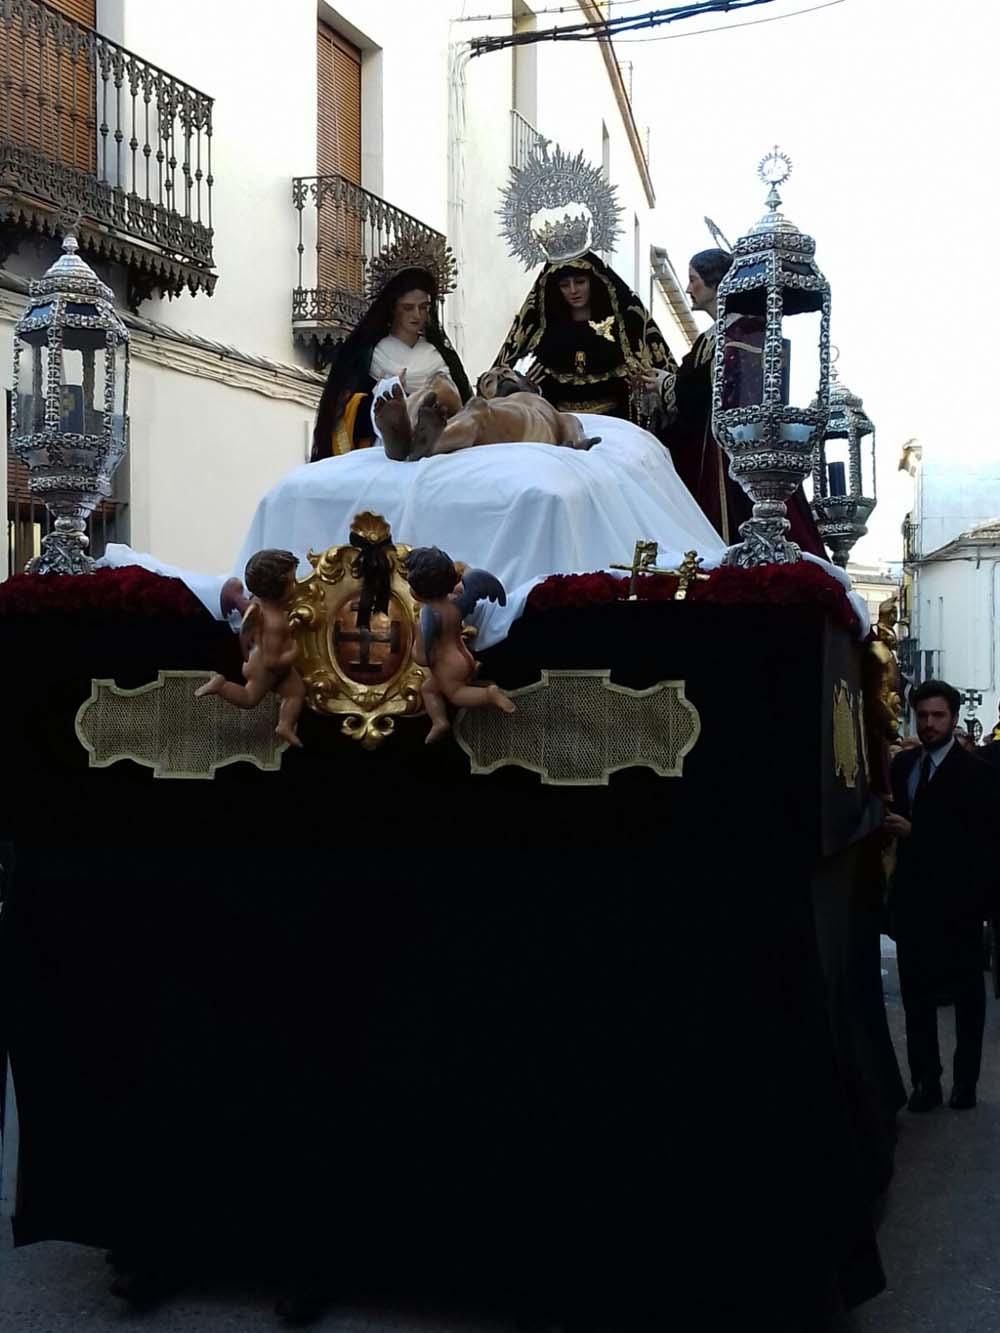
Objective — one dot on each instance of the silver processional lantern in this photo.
(844, 492)
(68, 420)
(772, 334)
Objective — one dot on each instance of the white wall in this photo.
(957, 602)
(194, 487)
(258, 61)
(954, 496)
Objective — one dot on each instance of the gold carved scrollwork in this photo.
(845, 734)
(365, 673)
(882, 678)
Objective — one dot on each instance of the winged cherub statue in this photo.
(269, 647)
(448, 595)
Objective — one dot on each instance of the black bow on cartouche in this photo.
(375, 575)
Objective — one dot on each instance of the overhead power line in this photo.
(728, 27)
(611, 27)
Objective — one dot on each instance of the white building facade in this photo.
(230, 180)
(951, 586)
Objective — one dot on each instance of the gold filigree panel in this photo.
(576, 728)
(164, 727)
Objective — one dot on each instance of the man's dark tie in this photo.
(926, 768)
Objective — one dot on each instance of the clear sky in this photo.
(890, 110)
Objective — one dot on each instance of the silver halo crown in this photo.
(558, 181)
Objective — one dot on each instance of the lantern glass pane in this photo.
(868, 481)
(802, 334)
(742, 370)
(119, 373)
(83, 339)
(31, 387)
(74, 399)
(838, 467)
(34, 336)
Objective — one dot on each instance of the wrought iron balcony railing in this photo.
(92, 132)
(524, 138)
(342, 227)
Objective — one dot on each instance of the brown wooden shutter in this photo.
(56, 118)
(339, 110)
(338, 153)
(84, 11)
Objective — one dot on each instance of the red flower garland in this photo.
(131, 591)
(801, 584)
(134, 591)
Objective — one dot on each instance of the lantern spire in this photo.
(774, 168)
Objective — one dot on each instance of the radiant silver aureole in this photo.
(557, 181)
(842, 518)
(769, 440)
(69, 415)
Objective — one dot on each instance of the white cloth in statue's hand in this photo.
(422, 361)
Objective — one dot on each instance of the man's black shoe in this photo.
(925, 1097)
(962, 1098)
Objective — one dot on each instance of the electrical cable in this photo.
(727, 27)
(610, 27)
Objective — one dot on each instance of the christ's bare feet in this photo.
(284, 733)
(390, 415)
(431, 421)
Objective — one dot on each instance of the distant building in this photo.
(955, 630)
(875, 583)
(949, 626)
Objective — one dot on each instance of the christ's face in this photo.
(409, 315)
(935, 722)
(702, 296)
(576, 291)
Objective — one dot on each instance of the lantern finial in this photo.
(774, 168)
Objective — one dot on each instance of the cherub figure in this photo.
(269, 647)
(448, 596)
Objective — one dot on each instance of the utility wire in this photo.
(549, 9)
(611, 27)
(727, 27)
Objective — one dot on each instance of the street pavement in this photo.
(940, 1236)
(940, 1242)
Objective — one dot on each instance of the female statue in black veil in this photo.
(590, 336)
(399, 331)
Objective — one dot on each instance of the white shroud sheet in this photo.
(522, 511)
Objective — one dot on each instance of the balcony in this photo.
(94, 135)
(341, 228)
(524, 139)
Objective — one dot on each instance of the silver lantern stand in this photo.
(769, 440)
(69, 423)
(844, 493)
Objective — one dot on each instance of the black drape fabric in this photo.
(569, 1047)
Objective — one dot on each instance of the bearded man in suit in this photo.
(945, 813)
